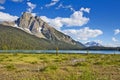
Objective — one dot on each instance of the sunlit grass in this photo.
(60, 67)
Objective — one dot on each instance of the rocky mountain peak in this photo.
(28, 22)
(26, 16)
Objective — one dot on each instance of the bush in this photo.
(10, 67)
(34, 62)
(49, 68)
(99, 63)
(81, 64)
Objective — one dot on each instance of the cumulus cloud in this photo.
(2, 1)
(114, 39)
(83, 34)
(65, 7)
(31, 6)
(17, 0)
(2, 8)
(52, 3)
(7, 17)
(116, 31)
(56, 23)
(75, 19)
(85, 9)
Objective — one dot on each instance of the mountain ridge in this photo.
(34, 25)
(13, 38)
(93, 44)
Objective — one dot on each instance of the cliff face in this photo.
(36, 26)
(31, 23)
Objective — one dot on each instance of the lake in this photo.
(62, 51)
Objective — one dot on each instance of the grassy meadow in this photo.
(20, 66)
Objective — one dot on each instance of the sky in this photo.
(83, 20)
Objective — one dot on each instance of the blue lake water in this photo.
(62, 51)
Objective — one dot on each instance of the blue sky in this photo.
(83, 20)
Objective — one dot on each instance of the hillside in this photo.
(14, 38)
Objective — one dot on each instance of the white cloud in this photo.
(31, 6)
(52, 3)
(83, 34)
(7, 17)
(66, 7)
(114, 39)
(17, 0)
(56, 23)
(2, 1)
(33, 14)
(85, 9)
(2, 8)
(76, 19)
(117, 31)
(99, 41)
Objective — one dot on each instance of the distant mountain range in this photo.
(93, 44)
(29, 32)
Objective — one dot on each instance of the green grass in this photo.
(61, 67)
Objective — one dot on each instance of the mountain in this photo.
(93, 44)
(31, 32)
(14, 38)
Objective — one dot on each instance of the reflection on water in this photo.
(62, 51)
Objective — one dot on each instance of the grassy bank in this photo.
(62, 67)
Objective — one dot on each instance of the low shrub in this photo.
(81, 64)
(10, 67)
